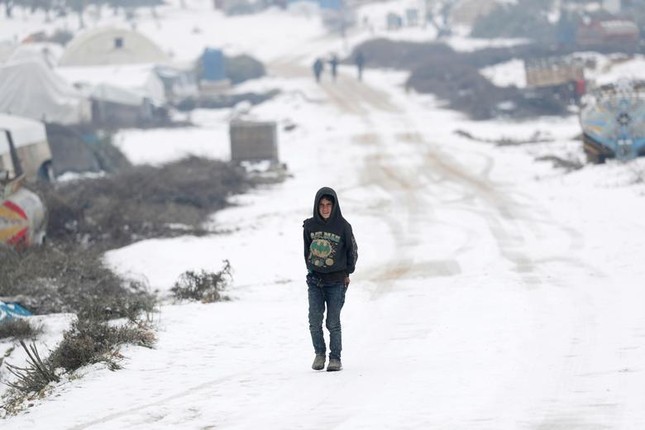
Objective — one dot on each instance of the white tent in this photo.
(128, 84)
(31, 89)
(111, 46)
(49, 52)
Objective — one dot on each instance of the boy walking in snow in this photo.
(330, 254)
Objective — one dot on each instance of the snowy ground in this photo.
(492, 291)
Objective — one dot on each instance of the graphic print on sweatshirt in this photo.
(322, 250)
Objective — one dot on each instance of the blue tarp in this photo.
(12, 310)
(214, 65)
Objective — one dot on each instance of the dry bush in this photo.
(36, 374)
(87, 342)
(89, 216)
(141, 202)
(90, 341)
(204, 286)
(68, 278)
(18, 328)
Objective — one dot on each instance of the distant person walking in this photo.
(330, 255)
(318, 68)
(359, 60)
(333, 65)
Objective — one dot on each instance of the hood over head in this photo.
(335, 213)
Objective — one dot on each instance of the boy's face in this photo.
(325, 207)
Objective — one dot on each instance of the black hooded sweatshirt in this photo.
(330, 248)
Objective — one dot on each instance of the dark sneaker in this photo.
(334, 365)
(319, 362)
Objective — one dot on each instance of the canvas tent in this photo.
(31, 89)
(49, 52)
(127, 84)
(111, 46)
(122, 96)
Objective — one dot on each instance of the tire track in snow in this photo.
(138, 408)
(409, 192)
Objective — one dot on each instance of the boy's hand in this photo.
(346, 281)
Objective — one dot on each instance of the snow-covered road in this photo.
(488, 294)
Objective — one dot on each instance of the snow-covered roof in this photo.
(30, 88)
(110, 45)
(120, 83)
(49, 52)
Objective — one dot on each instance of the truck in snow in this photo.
(25, 156)
(562, 77)
(612, 118)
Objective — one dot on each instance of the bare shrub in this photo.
(36, 375)
(87, 342)
(203, 286)
(141, 202)
(18, 328)
(91, 341)
(67, 278)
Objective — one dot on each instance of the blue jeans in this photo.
(332, 295)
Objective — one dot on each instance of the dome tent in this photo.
(111, 46)
(30, 88)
